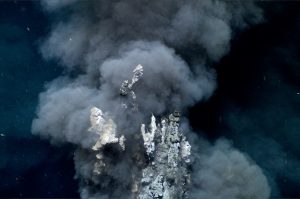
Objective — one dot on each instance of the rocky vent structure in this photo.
(164, 153)
(127, 87)
(105, 129)
(165, 174)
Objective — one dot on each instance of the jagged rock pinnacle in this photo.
(166, 176)
(164, 173)
(127, 87)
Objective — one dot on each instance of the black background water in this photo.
(29, 166)
(256, 105)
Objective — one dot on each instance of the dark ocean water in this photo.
(256, 105)
(29, 166)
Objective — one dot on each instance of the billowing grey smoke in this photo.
(223, 172)
(167, 84)
(101, 42)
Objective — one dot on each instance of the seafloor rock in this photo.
(127, 87)
(164, 174)
(160, 162)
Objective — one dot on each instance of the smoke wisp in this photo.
(99, 42)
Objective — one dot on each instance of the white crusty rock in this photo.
(127, 87)
(161, 162)
(166, 175)
(148, 137)
(105, 128)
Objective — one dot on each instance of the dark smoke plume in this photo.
(99, 43)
